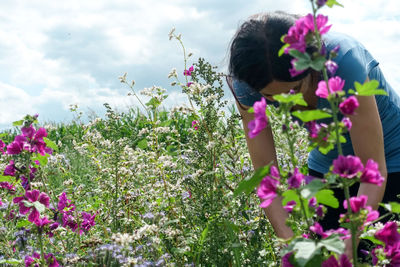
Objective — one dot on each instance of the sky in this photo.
(57, 53)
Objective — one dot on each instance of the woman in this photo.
(258, 71)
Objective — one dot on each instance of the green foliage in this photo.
(368, 89)
(311, 115)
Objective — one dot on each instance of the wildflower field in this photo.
(157, 187)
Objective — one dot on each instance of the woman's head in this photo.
(254, 51)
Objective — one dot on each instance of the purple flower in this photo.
(347, 123)
(320, 22)
(331, 67)
(2, 146)
(321, 3)
(347, 166)
(28, 199)
(30, 260)
(188, 72)
(333, 262)
(16, 146)
(10, 170)
(286, 260)
(388, 234)
(8, 186)
(336, 49)
(317, 228)
(51, 260)
(371, 174)
(41, 222)
(194, 125)
(320, 211)
(356, 203)
(87, 222)
(260, 118)
(274, 172)
(348, 106)
(290, 206)
(295, 180)
(64, 202)
(312, 203)
(267, 191)
(335, 85)
(372, 214)
(189, 84)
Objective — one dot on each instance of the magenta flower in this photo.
(295, 180)
(1, 203)
(51, 260)
(331, 67)
(372, 214)
(342, 232)
(321, 22)
(333, 262)
(16, 146)
(29, 260)
(347, 123)
(312, 203)
(274, 172)
(8, 186)
(26, 203)
(320, 211)
(348, 106)
(2, 146)
(260, 118)
(321, 3)
(194, 125)
(189, 84)
(290, 206)
(10, 170)
(347, 166)
(356, 203)
(64, 202)
(388, 234)
(267, 191)
(87, 222)
(296, 36)
(371, 174)
(188, 72)
(317, 228)
(286, 260)
(335, 84)
(41, 222)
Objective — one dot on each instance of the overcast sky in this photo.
(57, 53)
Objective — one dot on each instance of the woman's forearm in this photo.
(277, 216)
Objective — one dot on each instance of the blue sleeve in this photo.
(355, 66)
(245, 94)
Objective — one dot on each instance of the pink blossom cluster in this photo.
(260, 118)
(34, 260)
(351, 166)
(390, 236)
(31, 140)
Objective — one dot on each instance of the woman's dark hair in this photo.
(254, 51)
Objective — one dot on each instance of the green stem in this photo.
(352, 228)
(42, 259)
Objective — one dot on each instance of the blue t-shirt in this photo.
(355, 64)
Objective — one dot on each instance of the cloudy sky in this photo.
(57, 53)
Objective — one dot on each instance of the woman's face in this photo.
(277, 87)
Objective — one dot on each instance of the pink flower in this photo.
(331, 67)
(189, 84)
(347, 166)
(335, 84)
(10, 170)
(317, 228)
(312, 203)
(356, 203)
(286, 260)
(64, 202)
(320, 21)
(333, 262)
(8, 186)
(31, 197)
(87, 222)
(320, 211)
(295, 180)
(16, 146)
(267, 191)
(347, 123)
(188, 72)
(40, 222)
(260, 118)
(372, 214)
(293, 71)
(290, 206)
(2, 146)
(30, 260)
(194, 125)
(348, 106)
(388, 234)
(274, 172)
(371, 174)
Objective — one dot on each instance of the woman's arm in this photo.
(367, 139)
(262, 152)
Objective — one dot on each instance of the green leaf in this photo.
(296, 99)
(50, 143)
(250, 110)
(3, 135)
(9, 179)
(324, 150)
(11, 261)
(290, 195)
(248, 185)
(23, 223)
(282, 50)
(331, 3)
(333, 243)
(311, 115)
(42, 159)
(305, 249)
(142, 144)
(312, 188)
(301, 56)
(327, 198)
(39, 206)
(27, 203)
(318, 63)
(18, 123)
(369, 88)
(392, 207)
